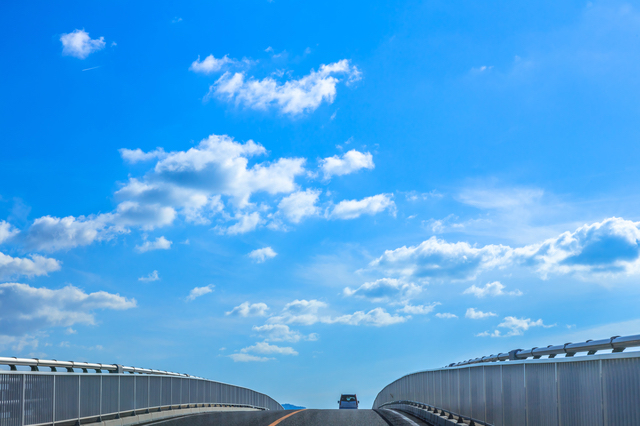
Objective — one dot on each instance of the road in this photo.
(297, 418)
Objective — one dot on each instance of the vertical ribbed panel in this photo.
(193, 391)
(166, 391)
(430, 388)
(580, 393)
(464, 391)
(38, 400)
(155, 391)
(207, 391)
(437, 382)
(185, 391)
(493, 392)
(89, 396)
(127, 392)
(142, 392)
(542, 394)
(10, 399)
(110, 386)
(176, 390)
(201, 391)
(621, 385)
(216, 392)
(67, 392)
(514, 394)
(454, 394)
(476, 376)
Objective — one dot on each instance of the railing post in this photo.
(79, 396)
(53, 409)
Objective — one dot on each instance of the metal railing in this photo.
(54, 397)
(432, 411)
(614, 344)
(598, 389)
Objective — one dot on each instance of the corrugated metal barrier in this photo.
(38, 398)
(598, 390)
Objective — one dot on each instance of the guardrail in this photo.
(53, 397)
(597, 389)
(615, 344)
(435, 411)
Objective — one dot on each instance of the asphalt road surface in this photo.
(297, 418)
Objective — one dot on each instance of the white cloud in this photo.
(385, 290)
(137, 155)
(246, 223)
(293, 97)
(49, 233)
(446, 315)
(304, 312)
(25, 309)
(70, 331)
(419, 309)
(473, 314)
(282, 333)
(79, 44)
(350, 162)
(516, 327)
(242, 357)
(160, 243)
(19, 266)
(260, 255)
(351, 209)
(491, 289)
(247, 309)
(210, 64)
(603, 248)
(299, 205)
(377, 317)
(151, 277)
(7, 231)
(199, 291)
(265, 348)
(440, 259)
(492, 198)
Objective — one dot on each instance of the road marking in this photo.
(411, 422)
(288, 415)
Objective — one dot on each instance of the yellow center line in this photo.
(282, 418)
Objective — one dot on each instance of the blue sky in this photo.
(314, 199)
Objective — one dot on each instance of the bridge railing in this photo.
(51, 397)
(599, 390)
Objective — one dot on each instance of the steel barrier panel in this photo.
(155, 391)
(110, 389)
(176, 390)
(454, 392)
(493, 392)
(38, 399)
(621, 386)
(127, 393)
(464, 391)
(11, 399)
(166, 391)
(437, 381)
(67, 391)
(514, 395)
(89, 396)
(580, 393)
(542, 394)
(184, 392)
(193, 391)
(476, 380)
(142, 392)
(201, 392)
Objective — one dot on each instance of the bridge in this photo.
(516, 388)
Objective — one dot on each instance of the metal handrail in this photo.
(53, 364)
(442, 412)
(615, 343)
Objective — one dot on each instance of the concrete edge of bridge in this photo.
(140, 419)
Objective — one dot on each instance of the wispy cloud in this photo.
(79, 44)
(262, 254)
(160, 243)
(199, 291)
(153, 276)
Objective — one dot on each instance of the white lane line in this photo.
(407, 419)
